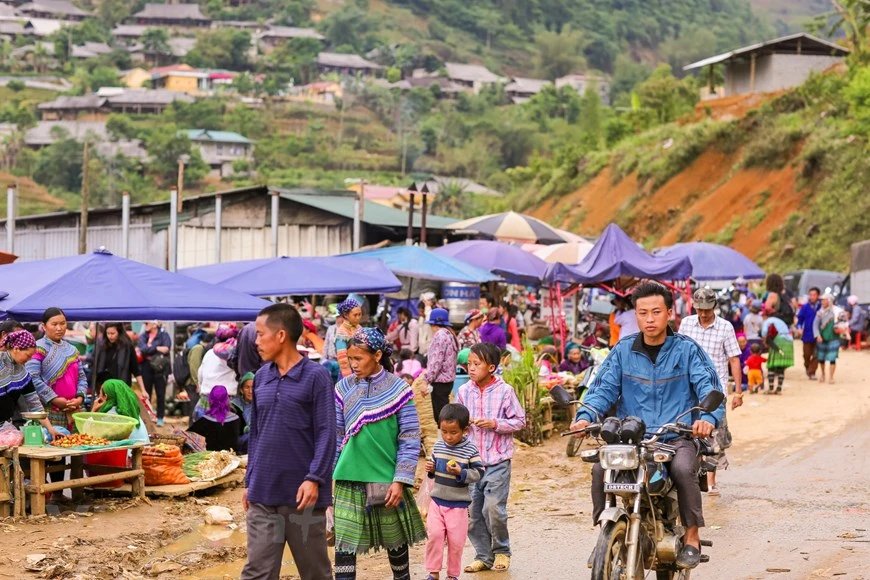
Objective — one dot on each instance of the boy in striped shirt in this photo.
(455, 464)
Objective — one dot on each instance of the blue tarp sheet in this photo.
(615, 255)
(424, 264)
(714, 262)
(101, 286)
(510, 262)
(300, 276)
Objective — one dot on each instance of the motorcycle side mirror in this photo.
(712, 401)
(560, 396)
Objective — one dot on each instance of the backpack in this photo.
(181, 368)
(784, 311)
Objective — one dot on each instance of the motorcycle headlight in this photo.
(619, 457)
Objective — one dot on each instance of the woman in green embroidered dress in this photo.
(378, 447)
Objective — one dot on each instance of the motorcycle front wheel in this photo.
(573, 446)
(610, 557)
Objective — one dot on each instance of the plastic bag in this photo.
(424, 496)
(218, 515)
(330, 527)
(10, 436)
(164, 470)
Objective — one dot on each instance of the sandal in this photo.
(476, 566)
(502, 563)
(714, 490)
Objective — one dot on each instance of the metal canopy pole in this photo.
(218, 227)
(10, 219)
(409, 236)
(275, 207)
(125, 224)
(173, 229)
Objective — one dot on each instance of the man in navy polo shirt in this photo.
(290, 453)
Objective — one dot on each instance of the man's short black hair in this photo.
(285, 317)
(815, 289)
(648, 289)
(488, 299)
(455, 412)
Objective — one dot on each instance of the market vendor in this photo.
(573, 362)
(243, 406)
(116, 396)
(16, 387)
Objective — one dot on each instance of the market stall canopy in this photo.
(101, 286)
(714, 261)
(423, 264)
(7, 258)
(567, 253)
(615, 255)
(300, 276)
(513, 227)
(510, 262)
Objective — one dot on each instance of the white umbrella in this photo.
(568, 253)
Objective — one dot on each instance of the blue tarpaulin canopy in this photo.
(101, 286)
(510, 262)
(614, 256)
(300, 276)
(714, 262)
(423, 264)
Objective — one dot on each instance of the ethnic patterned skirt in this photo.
(359, 530)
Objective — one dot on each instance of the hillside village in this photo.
(211, 96)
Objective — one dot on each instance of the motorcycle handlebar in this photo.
(591, 429)
(677, 428)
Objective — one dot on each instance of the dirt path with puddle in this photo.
(795, 499)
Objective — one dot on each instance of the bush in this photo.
(15, 85)
(772, 146)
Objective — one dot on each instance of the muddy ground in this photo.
(795, 504)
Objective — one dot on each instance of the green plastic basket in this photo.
(106, 425)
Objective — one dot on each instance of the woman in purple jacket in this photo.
(491, 331)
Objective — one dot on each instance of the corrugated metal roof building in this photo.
(311, 223)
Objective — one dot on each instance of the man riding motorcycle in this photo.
(656, 375)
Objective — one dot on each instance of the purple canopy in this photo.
(714, 262)
(615, 255)
(510, 262)
(300, 276)
(101, 286)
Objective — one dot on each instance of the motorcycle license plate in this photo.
(614, 487)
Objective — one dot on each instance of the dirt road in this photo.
(795, 499)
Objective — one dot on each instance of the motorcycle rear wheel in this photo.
(573, 446)
(611, 552)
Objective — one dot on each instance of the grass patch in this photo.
(687, 230)
(763, 197)
(773, 143)
(726, 235)
(757, 216)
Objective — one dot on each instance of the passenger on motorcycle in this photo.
(657, 375)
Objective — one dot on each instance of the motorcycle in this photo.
(595, 357)
(640, 532)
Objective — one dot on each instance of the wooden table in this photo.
(39, 456)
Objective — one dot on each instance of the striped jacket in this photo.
(452, 490)
(497, 401)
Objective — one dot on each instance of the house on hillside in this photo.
(129, 33)
(274, 36)
(43, 27)
(46, 133)
(8, 10)
(775, 65)
(83, 108)
(180, 77)
(581, 84)
(346, 64)
(473, 76)
(521, 89)
(57, 9)
(322, 93)
(10, 29)
(140, 101)
(90, 50)
(220, 149)
(172, 15)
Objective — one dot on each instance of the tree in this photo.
(100, 76)
(59, 165)
(553, 103)
(166, 144)
(120, 126)
(666, 96)
(852, 17)
(221, 48)
(112, 12)
(201, 114)
(349, 27)
(590, 119)
(243, 83)
(155, 43)
(559, 53)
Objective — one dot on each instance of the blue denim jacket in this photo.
(657, 393)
